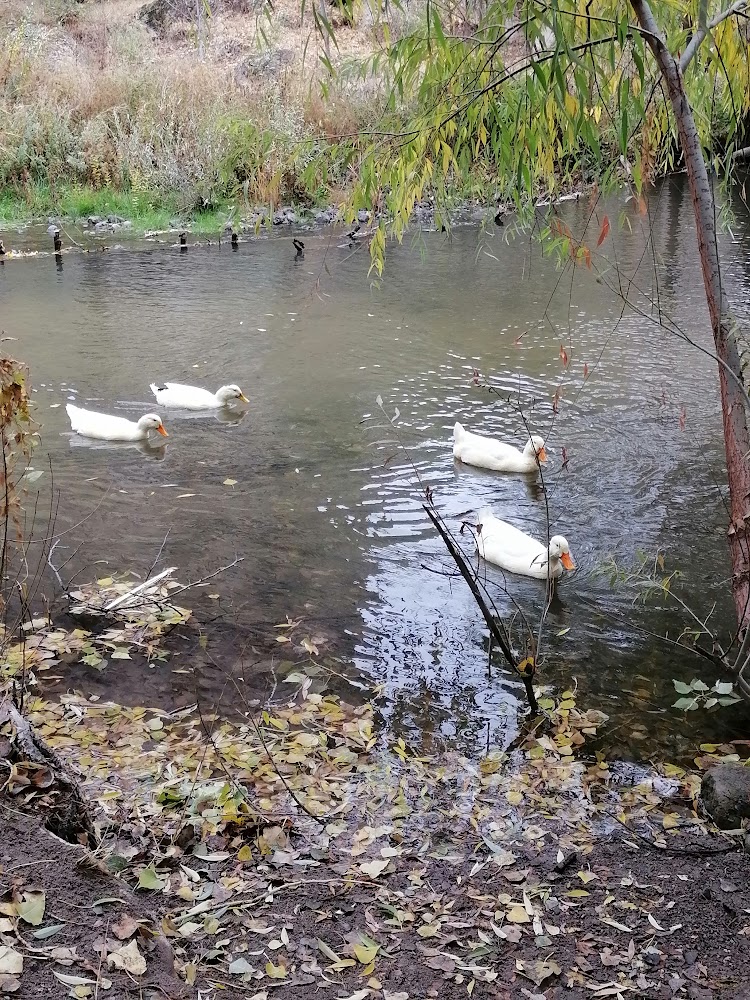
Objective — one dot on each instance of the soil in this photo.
(694, 948)
(88, 902)
(689, 914)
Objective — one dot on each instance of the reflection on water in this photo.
(323, 495)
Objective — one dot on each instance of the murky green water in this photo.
(327, 510)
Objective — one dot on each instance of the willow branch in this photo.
(705, 29)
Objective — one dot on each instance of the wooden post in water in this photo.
(57, 242)
(183, 241)
(235, 240)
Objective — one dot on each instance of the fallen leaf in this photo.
(517, 914)
(230, 482)
(125, 927)
(366, 953)
(31, 907)
(9, 984)
(538, 971)
(275, 971)
(129, 959)
(374, 868)
(148, 879)
(11, 961)
(239, 967)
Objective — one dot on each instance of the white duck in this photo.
(190, 397)
(500, 543)
(486, 453)
(105, 427)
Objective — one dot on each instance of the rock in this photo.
(725, 795)
(262, 64)
(159, 14)
(115, 220)
(93, 219)
(363, 215)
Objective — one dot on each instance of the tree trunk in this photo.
(736, 436)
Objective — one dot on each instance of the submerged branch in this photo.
(497, 633)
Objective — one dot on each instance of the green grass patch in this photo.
(146, 210)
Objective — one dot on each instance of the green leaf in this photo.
(685, 704)
(148, 879)
(46, 932)
(682, 688)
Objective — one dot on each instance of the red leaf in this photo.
(556, 401)
(563, 356)
(565, 457)
(683, 418)
(604, 230)
(587, 256)
(585, 370)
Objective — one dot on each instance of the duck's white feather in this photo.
(504, 545)
(192, 397)
(105, 427)
(488, 453)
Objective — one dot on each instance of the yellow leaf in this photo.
(366, 953)
(587, 877)
(275, 971)
(428, 930)
(517, 915)
(577, 893)
(31, 908)
(244, 853)
(670, 821)
(515, 798)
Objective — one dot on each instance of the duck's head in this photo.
(152, 422)
(229, 392)
(535, 446)
(559, 549)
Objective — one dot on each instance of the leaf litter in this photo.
(308, 848)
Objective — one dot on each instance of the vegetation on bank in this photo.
(101, 114)
(256, 107)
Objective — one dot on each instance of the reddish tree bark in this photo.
(736, 436)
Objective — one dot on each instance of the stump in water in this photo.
(57, 241)
(38, 777)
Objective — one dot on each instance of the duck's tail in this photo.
(156, 389)
(73, 412)
(485, 515)
(458, 431)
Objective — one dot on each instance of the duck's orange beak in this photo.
(161, 429)
(567, 560)
(542, 454)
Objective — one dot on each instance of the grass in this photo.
(146, 212)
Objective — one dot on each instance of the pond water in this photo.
(327, 510)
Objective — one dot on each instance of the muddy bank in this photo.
(307, 848)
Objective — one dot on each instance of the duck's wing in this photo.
(515, 543)
(490, 447)
(176, 394)
(101, 425)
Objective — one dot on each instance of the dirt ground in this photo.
(88, 906)
(660, 924)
